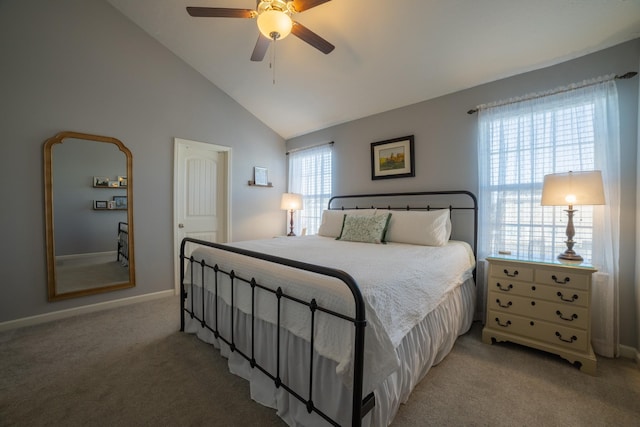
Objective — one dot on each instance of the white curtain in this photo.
(310, 174)
(521, 140)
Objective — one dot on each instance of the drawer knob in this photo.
(514, 274)
(504, 325)
(570, 340)
(568, 319)
(560, 282)
(572, 299)
(503, 288)
(507, 305)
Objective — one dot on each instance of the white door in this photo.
(201, 194)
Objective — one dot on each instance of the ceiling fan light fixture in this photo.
(274, 20)
(274, 24)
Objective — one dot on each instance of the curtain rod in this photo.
(628, 75)
(309, 147)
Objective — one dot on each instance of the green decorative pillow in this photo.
(367, 229)
(333, 220)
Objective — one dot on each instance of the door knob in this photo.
(180, 225)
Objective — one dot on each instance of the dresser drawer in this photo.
(563, 278)
(550, 333)
(561, 294)
(562, 314)
(511, 287)
(511, 272)
(532, 290)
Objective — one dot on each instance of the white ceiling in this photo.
(389, 53)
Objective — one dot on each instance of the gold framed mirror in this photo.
(88, 189)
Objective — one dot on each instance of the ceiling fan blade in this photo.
(261, 48)
(301, 5)
(220, 12)
(305, 34)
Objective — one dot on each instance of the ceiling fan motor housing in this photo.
(285, 6)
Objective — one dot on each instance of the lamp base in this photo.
(291, 233)
(571, 256)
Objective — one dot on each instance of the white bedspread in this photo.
(400, 283)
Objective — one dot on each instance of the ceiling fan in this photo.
(274, 22)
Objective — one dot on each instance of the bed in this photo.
(123, 243)
(338, 330)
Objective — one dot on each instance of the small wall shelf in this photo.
(253, 184)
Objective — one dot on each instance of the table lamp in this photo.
(569, 189)
(291, 202)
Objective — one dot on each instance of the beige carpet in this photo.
(131, 367)
(89, 272)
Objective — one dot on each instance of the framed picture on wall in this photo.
(260, 176)
(101, 181)
(99, 204)
(120, 202)
(393, 158)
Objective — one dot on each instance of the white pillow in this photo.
(365, 228)
(427, 228)
(332, 220)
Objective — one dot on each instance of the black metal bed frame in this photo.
(122, 230)
(360, 406)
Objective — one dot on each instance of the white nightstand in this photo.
(544, 305)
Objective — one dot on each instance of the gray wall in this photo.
(445, 145)
(80, 65)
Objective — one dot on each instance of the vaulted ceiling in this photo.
(389, 53)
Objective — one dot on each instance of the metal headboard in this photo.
(454, 200)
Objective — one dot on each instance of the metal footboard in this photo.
(360, 406)
(123, 241)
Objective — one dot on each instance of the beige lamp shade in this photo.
(291, 202)
(573, 188)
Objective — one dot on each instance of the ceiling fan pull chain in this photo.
(272, 65)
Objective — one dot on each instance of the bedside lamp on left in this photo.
(291, 202)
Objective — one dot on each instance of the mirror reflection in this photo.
(88, 191)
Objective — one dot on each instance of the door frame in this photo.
(225, 200)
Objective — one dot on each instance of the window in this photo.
(310, 173)
(522, 149)
(520, 143)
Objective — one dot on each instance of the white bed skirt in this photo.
(423, 347)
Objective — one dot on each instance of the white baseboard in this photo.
(62, 314)
(629, 352)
